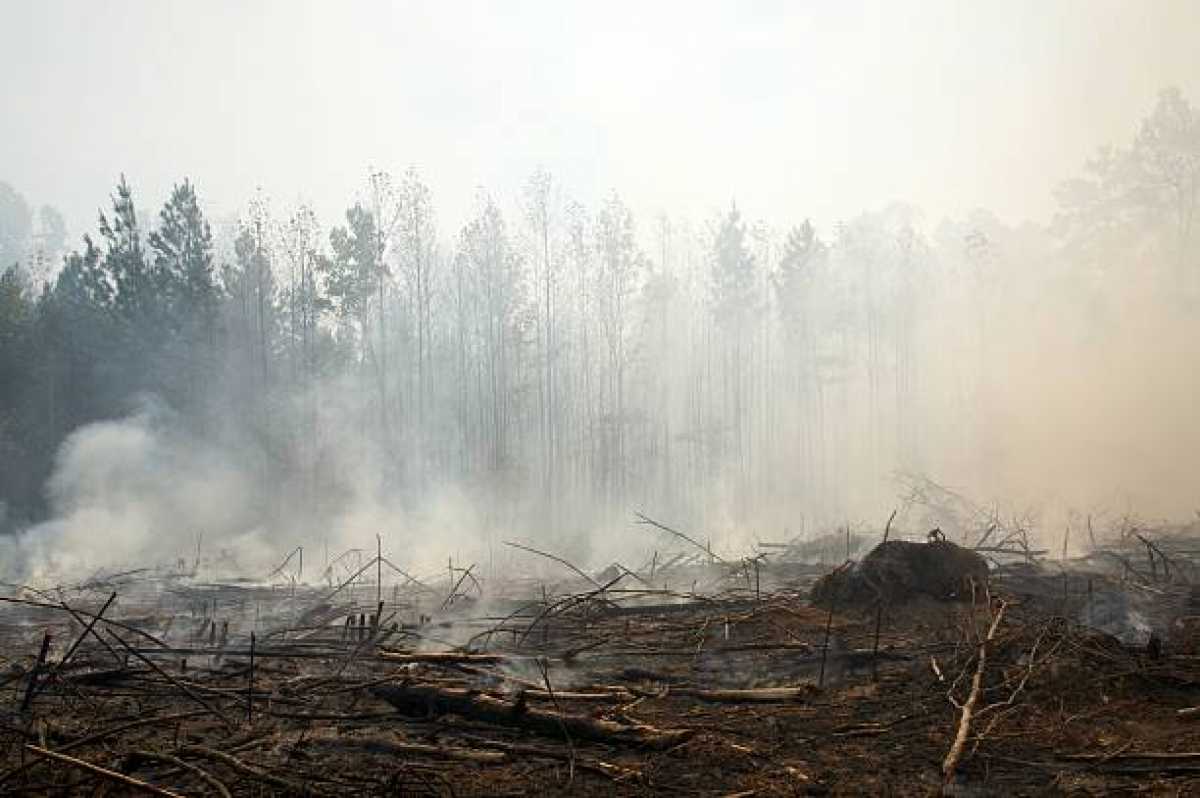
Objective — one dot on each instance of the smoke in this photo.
(134, 492)
(1086, 390)
(148, 490)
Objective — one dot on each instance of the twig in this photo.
(706, 549)
(888, 526)
(548, 556)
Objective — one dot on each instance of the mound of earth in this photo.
(897, 571)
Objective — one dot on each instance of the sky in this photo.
(791, 109)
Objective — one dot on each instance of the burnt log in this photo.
(425, 701)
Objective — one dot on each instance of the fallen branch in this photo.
(111, 775)
(195, 770)
(381, 745)
(706, 549)
(616, 772)
(62, 663)
(950, 764)
(548, 556)
(761, 695)
(444, 657)
(1143, 756)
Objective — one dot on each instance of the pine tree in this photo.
(183, 262)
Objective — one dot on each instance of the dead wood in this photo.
(195, 770)
(760, 695)
(967, 710)
(403, 748)
(618, 694)
(103, 735)
(111, 775)
(444, 657)
(556, 559)
(617, 772)
(642, 519)
(242, 768)
(742, 689)
(188, 691)
(35, 672)
(1140, 756)
(86, 631)
(425, 701)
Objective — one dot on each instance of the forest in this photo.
(546, 369)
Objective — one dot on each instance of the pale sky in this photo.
(796, 109)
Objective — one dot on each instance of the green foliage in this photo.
(183, 262)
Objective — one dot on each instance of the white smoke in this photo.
(130, 493)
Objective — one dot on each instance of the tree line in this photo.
(553, 360)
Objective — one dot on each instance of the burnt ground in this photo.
(626, 690)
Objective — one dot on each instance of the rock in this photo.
(897, 571)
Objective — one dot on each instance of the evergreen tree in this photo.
(183, 262)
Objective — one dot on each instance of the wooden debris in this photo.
(111, 775)
(428, 701)
(968, 707)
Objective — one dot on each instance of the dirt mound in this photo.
(899, 570)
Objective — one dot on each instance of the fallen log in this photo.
(619, 694)
(444, 657)
(760, 695)
(425, 701)
(1138, 763)
(1139, 756)
(613, 771)
(402, 748)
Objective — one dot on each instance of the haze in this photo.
(797, 109)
